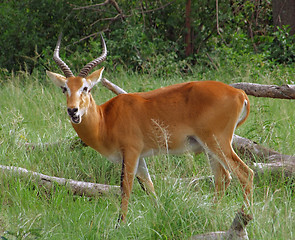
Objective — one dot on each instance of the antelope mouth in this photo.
(76, 119)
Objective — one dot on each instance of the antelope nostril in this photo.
(72, 111)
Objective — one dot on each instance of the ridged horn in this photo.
(64, 67)
(86, 69)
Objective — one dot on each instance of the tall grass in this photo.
(33, 110)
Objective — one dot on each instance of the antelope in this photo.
(197, 117)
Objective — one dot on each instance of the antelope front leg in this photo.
(129, 167)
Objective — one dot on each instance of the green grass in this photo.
(33, 110)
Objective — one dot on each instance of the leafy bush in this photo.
(29, 26)
(279, 46)
(148, 37)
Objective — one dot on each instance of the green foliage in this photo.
(148, 38)
(27, 27)
(279, 46)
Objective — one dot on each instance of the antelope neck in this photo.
(89, 130)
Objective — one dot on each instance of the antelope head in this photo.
(77, 89)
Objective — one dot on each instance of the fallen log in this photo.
(254, 151)
(237, 230)
(269, 91)
(76, 187)
(273, 161)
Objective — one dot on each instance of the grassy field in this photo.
(33, 110)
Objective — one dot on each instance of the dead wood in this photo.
(113, 87)
(93, 6)
(253, 150)
(270, 91)
(237, 230)
(76, 187)
(273, 161)
(119, 14)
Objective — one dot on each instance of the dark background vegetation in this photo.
(155, 37)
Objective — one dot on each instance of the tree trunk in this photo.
(283, 12)
(188, 34)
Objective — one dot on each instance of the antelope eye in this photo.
(85, 89)
(64, 89)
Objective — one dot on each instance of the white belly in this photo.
(115, 158)
(190, 145)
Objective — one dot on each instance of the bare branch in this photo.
(84, 38)
(93, 6)
(119, 10)
(114, 88)
(159, 8)
(211, 60)
(109, 18)
(217, 22)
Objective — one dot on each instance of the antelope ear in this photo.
(95, 77)
(58, 80)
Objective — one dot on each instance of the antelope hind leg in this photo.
(144, 178)
(222, 178)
